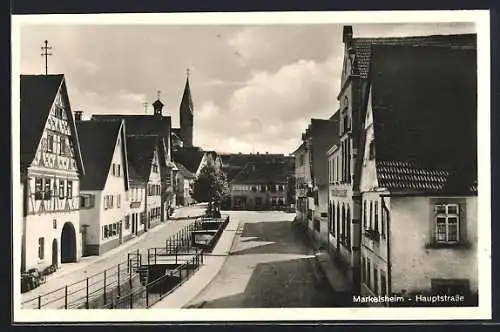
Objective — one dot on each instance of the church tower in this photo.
(158, 107)
(186, 115)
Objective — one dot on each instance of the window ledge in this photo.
(460, 245)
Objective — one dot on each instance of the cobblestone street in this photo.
(271, 264)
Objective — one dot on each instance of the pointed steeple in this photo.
(187, 101)
(186, 115)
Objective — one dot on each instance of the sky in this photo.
(254, 87)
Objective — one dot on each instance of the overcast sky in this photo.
(254, 87)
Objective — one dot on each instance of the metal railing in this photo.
(144, 296)
(100, 288)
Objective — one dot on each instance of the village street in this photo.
(271, 264)
(88, 266)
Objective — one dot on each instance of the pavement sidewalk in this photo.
(333, 273)
(212, 264)
(84, 262)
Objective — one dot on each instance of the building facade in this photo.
(311, 172)
(105, 187)
(261, 186)
(396, 176)
(51, 168)
(160, 125)
(419, 188)
(185, 185)
(153, 199)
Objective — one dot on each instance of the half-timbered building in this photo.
(51, 167)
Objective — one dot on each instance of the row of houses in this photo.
(90, 185)
(260, 181)
(388, 184)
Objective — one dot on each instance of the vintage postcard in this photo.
(284, 166)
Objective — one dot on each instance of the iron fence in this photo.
(154, 291)
(102, 288)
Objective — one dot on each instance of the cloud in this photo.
(116, 102)
(254, 87)
(268, 47)
(272, 109)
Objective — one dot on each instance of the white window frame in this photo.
(447, 215)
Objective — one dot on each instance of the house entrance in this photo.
(68, 243)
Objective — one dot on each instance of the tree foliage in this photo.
(211, 186)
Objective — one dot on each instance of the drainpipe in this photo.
(388, 237)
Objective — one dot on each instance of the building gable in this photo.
(48, 132)
(118, 167)
(154, 167)
(369, 181)
(98, 160)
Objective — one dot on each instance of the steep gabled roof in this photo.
(264, 173)
(424, 103)
(38, 93)
(144, 125)
(187, 174)
(98, 141)
(363, 46)
(141, 152)
(190, 158)
(141, 124)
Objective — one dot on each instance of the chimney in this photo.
(347, 35)
(78, 115)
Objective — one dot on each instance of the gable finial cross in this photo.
(46, 54)
(158, 94)
(187, 72)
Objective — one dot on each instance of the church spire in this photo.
(187, 101)
(186, 115)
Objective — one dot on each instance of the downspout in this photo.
(388, 234)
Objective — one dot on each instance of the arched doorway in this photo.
(68, 243)
(55, 254)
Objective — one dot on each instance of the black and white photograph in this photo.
(280, 166)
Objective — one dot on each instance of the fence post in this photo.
(104, 289)
(147, 295)
(39, 302)
(155, 255)
(128, 261)
(87, 305)
(148, 256)
(175, 257)
(66, 297)
(130, 278)
(118, 279)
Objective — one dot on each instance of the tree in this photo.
(211, 186)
